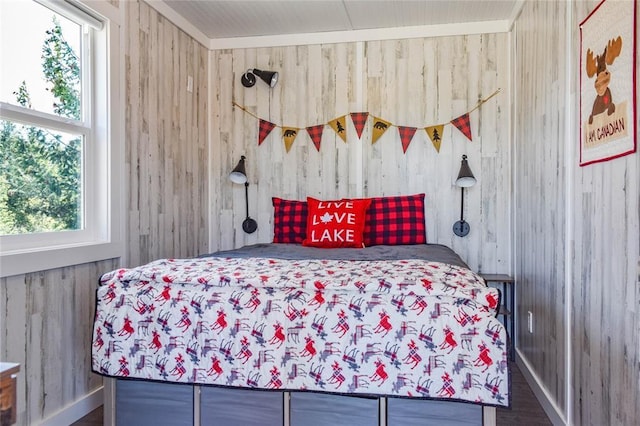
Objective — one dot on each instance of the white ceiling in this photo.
(229, 19)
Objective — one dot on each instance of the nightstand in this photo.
(8, 409)
(507, 306)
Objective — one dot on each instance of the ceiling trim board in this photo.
(468, 28)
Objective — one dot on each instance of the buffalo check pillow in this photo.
(289, 221)
(395, 221)
(336, 223)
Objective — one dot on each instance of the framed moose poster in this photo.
(608, 82)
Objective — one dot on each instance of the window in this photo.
(57, 154)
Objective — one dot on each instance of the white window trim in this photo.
(108, 143)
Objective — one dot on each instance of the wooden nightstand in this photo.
(8, 409)
(507, 306)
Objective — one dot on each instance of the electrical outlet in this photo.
(530, 321)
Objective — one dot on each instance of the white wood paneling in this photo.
(166, 131)
(606, 286)
(415, 82)
(539, 158)
(47, 317)
(599, 372)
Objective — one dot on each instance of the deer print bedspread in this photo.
(409, 328)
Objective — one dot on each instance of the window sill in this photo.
(24, 262)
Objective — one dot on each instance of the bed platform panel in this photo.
(313, 409)
(240, 407)
(143, 403)
(408, 412)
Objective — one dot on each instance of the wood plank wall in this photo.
(604, 221)
(606, 282)
(540, 190)
(47, 316)
(415, 83)
(166, 133)
(47, 319)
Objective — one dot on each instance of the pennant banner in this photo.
(315, 133)
(359, 120)
(463, 124)
(379, 127)
(338, 125)
(435, 134)
(406, 134)
(289, 135)
(265, 128)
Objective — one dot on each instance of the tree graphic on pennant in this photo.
(338, 125)
(435, 134)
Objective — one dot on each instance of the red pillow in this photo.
(336, 223)
(289, 221)
(395, 221)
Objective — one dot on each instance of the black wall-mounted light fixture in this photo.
(239, 176)
(249, 78)
(465, 180)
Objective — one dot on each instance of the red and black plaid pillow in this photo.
(289, 221)
(395, 220)
(389, 221)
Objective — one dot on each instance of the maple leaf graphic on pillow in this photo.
(326, 218)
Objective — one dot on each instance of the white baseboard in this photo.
(540, 391)
(76, 410)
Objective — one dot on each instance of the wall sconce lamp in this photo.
(465, 180)
(249, 78)
(239, 176)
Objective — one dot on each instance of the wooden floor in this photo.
(525, 409)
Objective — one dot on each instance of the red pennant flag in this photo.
(315, 133)
(406, 134)
(463, 124)
(359, 120)
(264, 130)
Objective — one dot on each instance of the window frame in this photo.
(103, 156)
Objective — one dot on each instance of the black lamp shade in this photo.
(465, 176)
(239, 173)
(269, 77)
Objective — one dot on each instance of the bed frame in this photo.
(155, 403)
(150, 399)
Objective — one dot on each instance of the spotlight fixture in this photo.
(249, 78)
(465, 180)
(239, 176)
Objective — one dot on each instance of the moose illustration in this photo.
(598, 67)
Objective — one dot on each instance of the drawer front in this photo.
(142, 403)
(412, 412)
(240, 407)
(315, 409)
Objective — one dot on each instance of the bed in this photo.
(282, 333)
